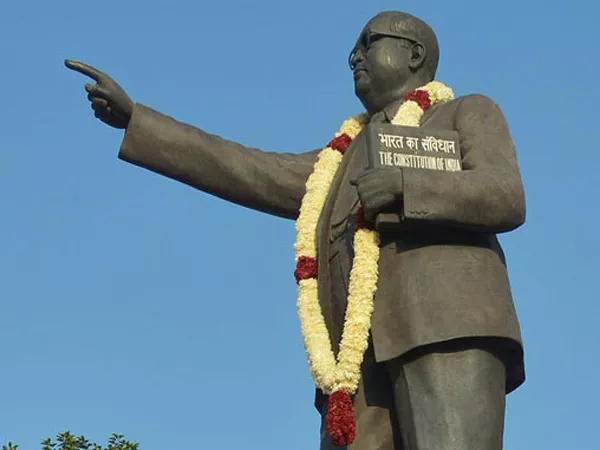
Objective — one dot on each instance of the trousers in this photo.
(447, 396)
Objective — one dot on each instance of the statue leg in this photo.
(451, 397)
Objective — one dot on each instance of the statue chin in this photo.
(361, 90)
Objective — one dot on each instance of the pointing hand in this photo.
(110, 102)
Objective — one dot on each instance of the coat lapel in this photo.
(323, 248)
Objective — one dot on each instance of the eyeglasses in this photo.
(366, 40)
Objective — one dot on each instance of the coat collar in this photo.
(388, 113)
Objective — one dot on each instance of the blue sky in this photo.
(132, 303)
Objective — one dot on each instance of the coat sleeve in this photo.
(487, 195)
(270, 182)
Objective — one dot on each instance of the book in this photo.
(416, 148)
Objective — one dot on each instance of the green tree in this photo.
(67, 441)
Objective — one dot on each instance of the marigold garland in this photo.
(339, 378)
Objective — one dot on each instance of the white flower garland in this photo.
(344, 374)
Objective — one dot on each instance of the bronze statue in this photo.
(444, 346)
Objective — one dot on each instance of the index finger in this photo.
(85, 69)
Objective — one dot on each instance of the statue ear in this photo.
(417, 56)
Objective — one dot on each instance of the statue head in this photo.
(394, 54)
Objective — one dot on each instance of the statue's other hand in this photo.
(110, 102)
(379, 190)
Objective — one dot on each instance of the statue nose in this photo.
(355, 57)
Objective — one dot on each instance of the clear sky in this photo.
(132, 303)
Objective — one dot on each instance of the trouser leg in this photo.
(452, 398)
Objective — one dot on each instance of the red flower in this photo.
(340, 143)
(420, 97)
(360, 218)
(306, 268)
(341, 424)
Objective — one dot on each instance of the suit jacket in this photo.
(442, 278)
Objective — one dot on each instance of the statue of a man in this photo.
(444, 346)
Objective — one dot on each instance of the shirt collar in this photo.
(391, 110)
(387, 113)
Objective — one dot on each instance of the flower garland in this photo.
(340, 378)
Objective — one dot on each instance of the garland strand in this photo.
(339, 378)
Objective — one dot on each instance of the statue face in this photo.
(381, 67)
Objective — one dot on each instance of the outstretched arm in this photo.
(270, 182)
